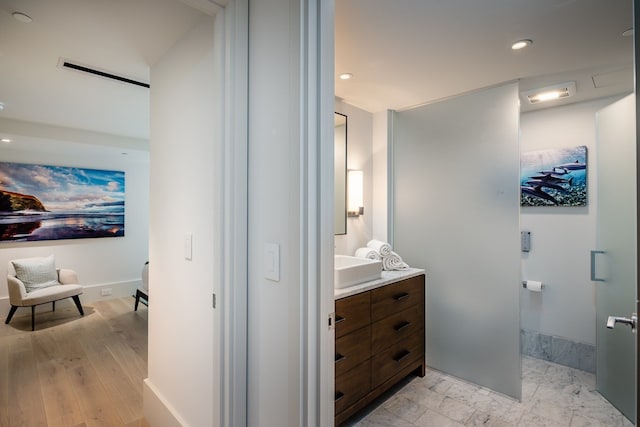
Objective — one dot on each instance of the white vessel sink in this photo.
(350, 270)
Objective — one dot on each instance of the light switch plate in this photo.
(188, 245)
(272, 262)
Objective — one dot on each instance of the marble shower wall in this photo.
(558, 350)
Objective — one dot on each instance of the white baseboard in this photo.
(89, 295)
(157, 411)
(117, 290)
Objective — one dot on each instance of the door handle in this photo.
(401, 296)
(594, 278)
(402, 326)
(399, 358)
(633, 322)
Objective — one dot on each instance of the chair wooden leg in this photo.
(54, 305)
(76, 299)
(12, 311)
(33, 317)
(140, 294)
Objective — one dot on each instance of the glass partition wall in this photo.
(455, 208)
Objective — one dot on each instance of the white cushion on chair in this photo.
(145, 278)
(33, 270)
(52, 293)
(36, 273)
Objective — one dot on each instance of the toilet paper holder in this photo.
(524, 284)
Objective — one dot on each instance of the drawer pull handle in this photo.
(340, 357)
(340, 319)
(339, 395)
(402, 326)
(401, 296)
(402, 356)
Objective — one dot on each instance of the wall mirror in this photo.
(340, 173)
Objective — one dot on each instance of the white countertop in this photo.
(386, 278)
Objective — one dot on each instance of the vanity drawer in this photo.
(352, 386)
(395, 297)
(352, 313)
(393, 328)
(397, 357)
(352, 349)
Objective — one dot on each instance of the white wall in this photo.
(275, 327)
(561, 238)
(114, 263)
(380, 178)
(182, 384)
(359, 156)
(290, 175)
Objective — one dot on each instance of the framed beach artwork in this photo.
(39, 202)
(554, 177)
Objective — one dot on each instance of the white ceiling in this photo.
(124, 37)
(404, 53)
(401, 52)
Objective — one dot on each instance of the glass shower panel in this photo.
(456, 214)
(616, 240)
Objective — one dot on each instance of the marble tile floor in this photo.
(552, 395)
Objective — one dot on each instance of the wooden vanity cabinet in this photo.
(380, 339)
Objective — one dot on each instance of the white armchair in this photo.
(36, 281)
(143, 290)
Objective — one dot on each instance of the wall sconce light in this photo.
(355, 182)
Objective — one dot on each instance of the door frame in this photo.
(231, 40)
(316, 98)
(636, 62)
(317, 19)
(232, 51)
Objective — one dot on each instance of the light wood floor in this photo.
(74, 371)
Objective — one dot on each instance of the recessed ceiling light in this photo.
(549, 93)
(521, 44)
(628, 32)
(5, 140)
(345, 76)
(546, 96)
(22, 17)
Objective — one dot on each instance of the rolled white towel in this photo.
(368, 253)
(383, 248)
(393, 262)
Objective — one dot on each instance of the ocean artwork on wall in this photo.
(39, 202)
(554, 177)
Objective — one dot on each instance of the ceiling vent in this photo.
(69, 65)
(613, 78)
